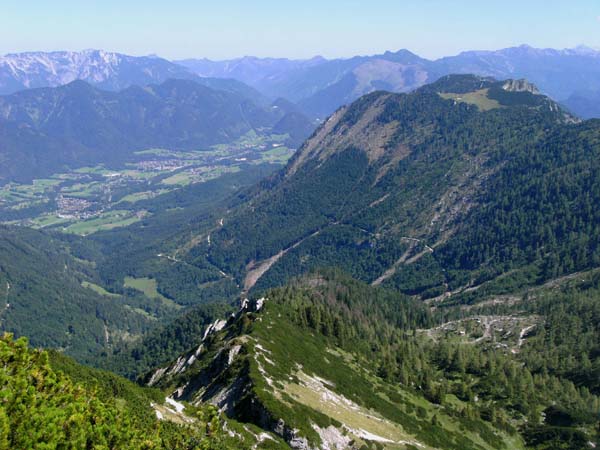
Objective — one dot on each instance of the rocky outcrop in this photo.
(521, 85)
(225, 381)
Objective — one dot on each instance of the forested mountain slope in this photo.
(463, 184)
(328, 362)
(48, 295)
(475, 195)
(99, 292)
(44, 130)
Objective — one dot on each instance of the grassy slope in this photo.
(384, 410)
(299, 377)
(478, 98)
(520, 362)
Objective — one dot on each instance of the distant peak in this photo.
(77, 84)
(402, 51)
(586, 50)
(402, 56)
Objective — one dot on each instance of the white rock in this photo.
(233, 351)
(179, 407)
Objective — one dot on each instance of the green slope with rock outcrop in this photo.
(429, 193)
(329, 362)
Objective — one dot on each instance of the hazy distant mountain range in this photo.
(318, 86)
(104, 70)
(111, 71)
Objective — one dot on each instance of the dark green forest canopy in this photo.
(463, 195)
(42, 296)
(44, 273)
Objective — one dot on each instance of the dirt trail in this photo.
(7, 303)
(566, 278)
(403, 259)
(523, 333)
(259, 270)
(180, 261)
(392, 270)
(487, 323)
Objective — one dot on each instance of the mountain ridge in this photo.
(436, 151)
(424, 273)
(108, 70)
(319, 85)
(314, 363)
(44, 129)
(322, 88)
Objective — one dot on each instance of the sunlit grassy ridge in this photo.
(478, 98)
(337, 360)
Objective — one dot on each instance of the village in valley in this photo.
(89, 199)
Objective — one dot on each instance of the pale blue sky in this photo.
(229, 28)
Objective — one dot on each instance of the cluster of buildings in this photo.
(74, 208)
(161, 165)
